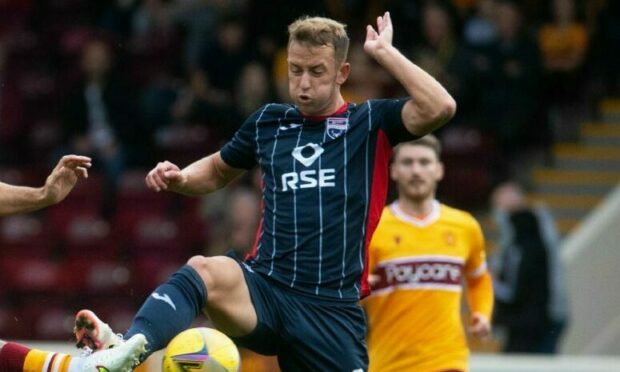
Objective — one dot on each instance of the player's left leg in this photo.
(15, 357)
(215, 284)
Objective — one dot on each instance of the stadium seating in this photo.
(85, 276)
(151, 272)
(157, 236)
(31, 275)
(48, 317)
(25, 236)
(89, 236)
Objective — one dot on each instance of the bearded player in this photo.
(421, 253)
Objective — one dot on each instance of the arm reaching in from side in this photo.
(430, 106)
(201, 177)
(60, 182)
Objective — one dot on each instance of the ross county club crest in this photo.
(335, 127)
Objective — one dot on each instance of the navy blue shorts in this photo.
(307, 334)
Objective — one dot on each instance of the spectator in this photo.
(198, 19)
(365, 80)
(531, 299)
(253, 87)
(242, 220)
(480, 29)
(99, 120)
(118, 18)
(508, 73)
(200, 114)
(223, 61)
(442, 56)
(607, 53)
(563, 42)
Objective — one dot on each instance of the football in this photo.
(201, 350)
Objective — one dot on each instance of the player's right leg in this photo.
(215, 284)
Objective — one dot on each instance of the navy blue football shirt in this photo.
(325, 182)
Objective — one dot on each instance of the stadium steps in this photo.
(583, 172)
(580, 176)
(601, 133)
(609, 109)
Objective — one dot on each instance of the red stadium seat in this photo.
(13, 325)
(59, 217)
(469, 157)
(149, 273)
(183, 144)
(96, 277)
(117, 311)
(133, 193)
(158, 236)
(55, 323)
(21, 177)
(50, 318)
(24, 236)
(31, 275)
(86, 193)
(90, 236)
(43, 136)
(126, 220)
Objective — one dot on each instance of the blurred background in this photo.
(133, 82)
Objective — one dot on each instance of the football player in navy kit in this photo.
(324, 165)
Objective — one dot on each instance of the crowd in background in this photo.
(132, 82)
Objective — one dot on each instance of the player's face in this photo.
(315, 78)
(416, 171)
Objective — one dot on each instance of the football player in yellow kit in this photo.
(420, 256)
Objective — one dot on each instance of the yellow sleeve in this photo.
(476, 263)
(479, 283)
(480, 295)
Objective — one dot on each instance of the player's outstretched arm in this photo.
(201, 177)
(431, 105)
(21, 199)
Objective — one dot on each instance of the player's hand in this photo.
(479, 326)
(63, 178)
(379, 39)
(165, 176)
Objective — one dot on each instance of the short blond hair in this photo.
(428, 140)
(321, 31)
